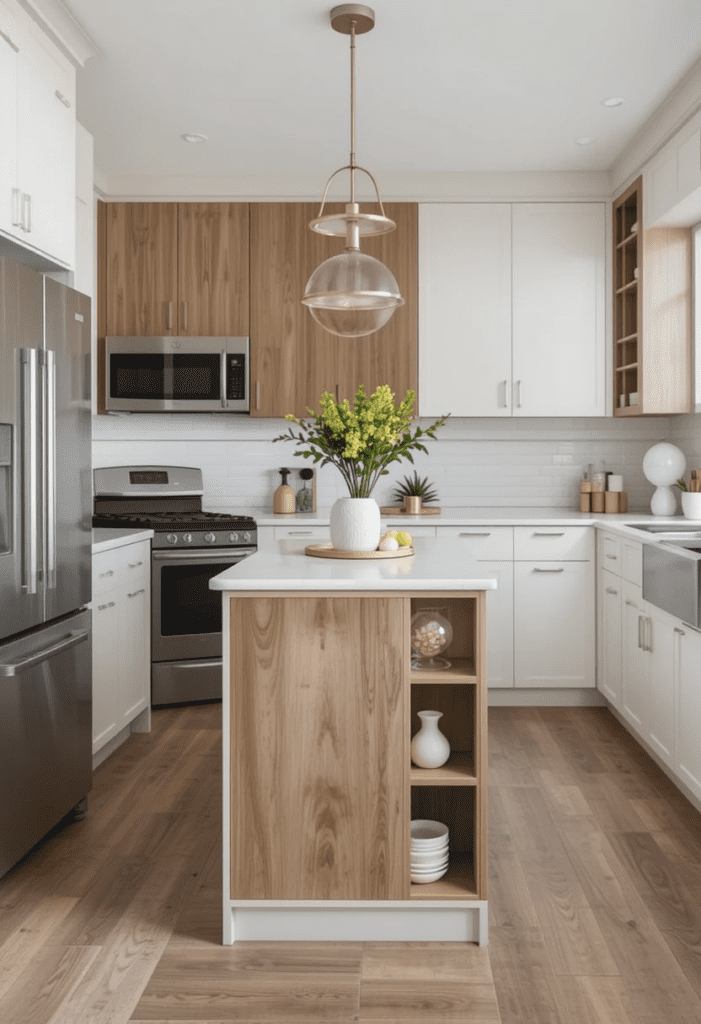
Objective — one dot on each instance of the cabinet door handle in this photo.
(610, 590)
(679, 631)
(136, 592)
(474, 535)
(536, 569)
(59, 95)
(337, 390)
(257, 394)
(640, 625)
(536, 533)
(184, 315)
(299, 533)
(505, 403)
(9, 42)
(26, 212)
(648, 630)
(16, 209)
(135, 565)
(101, 607)
(517, 389)
(169, 320)
(613, 558)
(108, 572)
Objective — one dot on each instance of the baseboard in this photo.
(566, 698)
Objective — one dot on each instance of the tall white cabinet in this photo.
(37, 127)
(511, 309)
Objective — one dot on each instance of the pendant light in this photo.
(352, 294)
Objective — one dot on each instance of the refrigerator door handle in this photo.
(50, 465)
(13, 668)
(30, 469)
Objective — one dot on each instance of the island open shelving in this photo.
(320, 703)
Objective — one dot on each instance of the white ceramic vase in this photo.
(355, 524)
(429, 748)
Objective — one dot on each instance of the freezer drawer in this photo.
(45, 731)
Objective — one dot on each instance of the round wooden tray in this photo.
(329, 551)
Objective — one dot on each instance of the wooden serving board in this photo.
(329, 551)
(391, 510)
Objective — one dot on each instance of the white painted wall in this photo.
(475, 462)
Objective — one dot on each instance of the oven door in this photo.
(185, 613)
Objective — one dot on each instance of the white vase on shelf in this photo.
(355, 524)
(429, 748)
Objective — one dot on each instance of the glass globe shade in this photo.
(664, 464)
(352, 294)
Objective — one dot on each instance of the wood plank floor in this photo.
(595, 899)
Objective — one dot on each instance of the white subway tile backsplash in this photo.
(473, 462)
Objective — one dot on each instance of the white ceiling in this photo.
(443, 86)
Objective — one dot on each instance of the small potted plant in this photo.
(413, 493)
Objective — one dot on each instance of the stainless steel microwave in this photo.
(176, 374)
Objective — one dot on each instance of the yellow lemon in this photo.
(403, 539)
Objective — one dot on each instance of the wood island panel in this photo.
(319, 803)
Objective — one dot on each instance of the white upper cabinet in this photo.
(672, 180)
(37, 166)
(465, 309)
(511, 309)
(559, 353)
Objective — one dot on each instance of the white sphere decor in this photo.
(663, 465)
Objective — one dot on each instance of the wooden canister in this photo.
(585, 501)
(612, 502)
(597, 501)
(622, 501)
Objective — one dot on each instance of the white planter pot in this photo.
(355, 524)
(691, 504)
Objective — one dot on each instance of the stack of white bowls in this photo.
(429, 850)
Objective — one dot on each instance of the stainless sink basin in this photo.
(667, 531)
(672, 576)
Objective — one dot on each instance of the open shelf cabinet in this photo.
(627, 300)
(456, 792)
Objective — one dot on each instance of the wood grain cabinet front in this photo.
(175, 269)
(323, 700)
(293, 360)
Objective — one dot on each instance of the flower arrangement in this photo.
(361, 441)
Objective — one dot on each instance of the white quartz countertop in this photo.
(105, 539)
(435, 566)
(457, 515)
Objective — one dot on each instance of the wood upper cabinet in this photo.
(176, 269)
(651, 312)
(292, 359)
(213, 269)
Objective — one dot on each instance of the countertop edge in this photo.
(104, 539)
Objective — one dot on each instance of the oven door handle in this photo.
(202, 555)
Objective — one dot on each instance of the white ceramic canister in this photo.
(355, 524)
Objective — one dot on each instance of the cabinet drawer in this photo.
(491, 543)
(309, 534)
(128, 566)
(632, 562)
(610, 553)
(415, 531)
(562, 543)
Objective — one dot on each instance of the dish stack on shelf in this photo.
(429, 851)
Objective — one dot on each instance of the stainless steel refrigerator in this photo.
(45, 557)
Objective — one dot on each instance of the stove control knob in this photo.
(172, 538)
(210, 538)
(247, 538)
(233, 538)
(187, 538)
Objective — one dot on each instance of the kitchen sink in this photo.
(665, 531)
(672, 575)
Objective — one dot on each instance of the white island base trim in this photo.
(355, 921)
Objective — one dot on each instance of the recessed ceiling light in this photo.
(189, 137)
(584, 141)
(612, 101)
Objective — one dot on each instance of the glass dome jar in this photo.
(431, 634)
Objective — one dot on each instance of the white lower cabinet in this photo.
(687, 644)
(554, 634)
(121, 639)
(610, 637)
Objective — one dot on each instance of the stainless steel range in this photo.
(189, 547)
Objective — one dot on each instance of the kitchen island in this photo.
(320, 700)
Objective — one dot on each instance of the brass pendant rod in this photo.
(352, 95)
